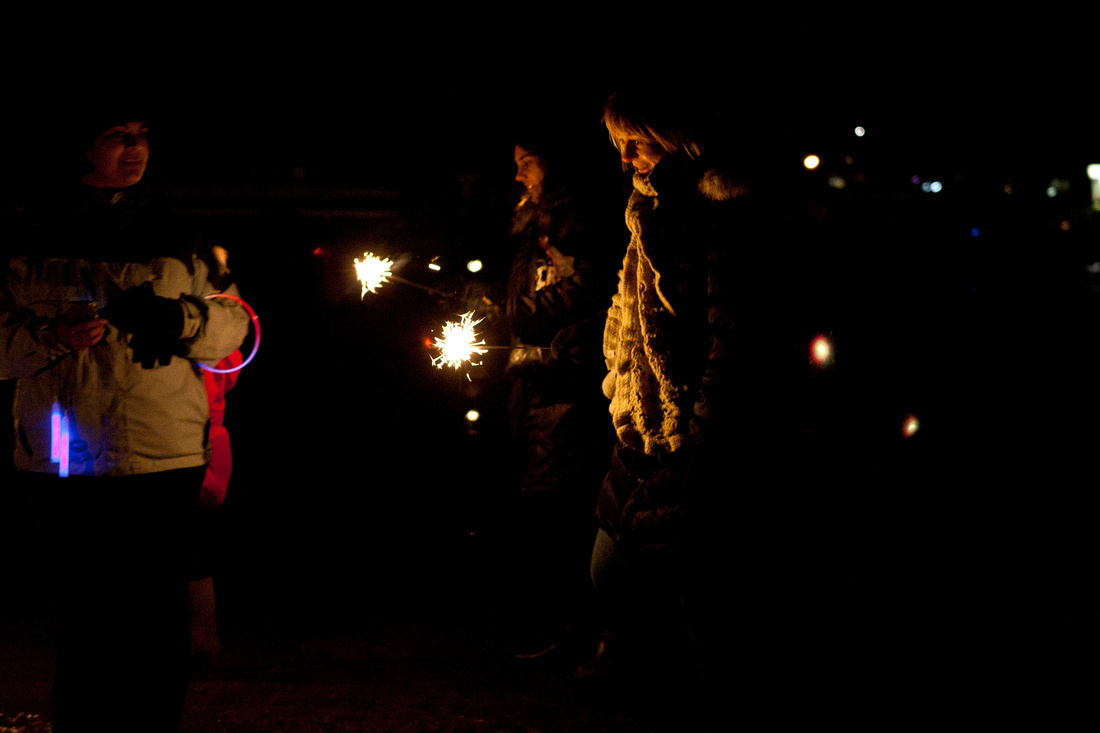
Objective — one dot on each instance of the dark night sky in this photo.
(363, 93)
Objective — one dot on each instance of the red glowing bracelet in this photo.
(255, 344)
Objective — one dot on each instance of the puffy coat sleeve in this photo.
(213, 328)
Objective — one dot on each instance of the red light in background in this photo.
(821, 351)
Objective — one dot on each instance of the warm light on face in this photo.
(636, 150)
(118, 156)
(531, 172)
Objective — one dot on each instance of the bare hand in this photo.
(80, 335)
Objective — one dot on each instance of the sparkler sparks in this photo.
(372, 272)
(459, 342)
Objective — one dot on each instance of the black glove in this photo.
(155, 324)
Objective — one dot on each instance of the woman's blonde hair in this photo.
(668, 119)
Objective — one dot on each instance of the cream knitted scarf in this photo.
(645, 402)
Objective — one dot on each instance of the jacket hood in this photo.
(717, 186)
(675, 173)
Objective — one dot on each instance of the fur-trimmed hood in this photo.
(717, 186)
(675, 176)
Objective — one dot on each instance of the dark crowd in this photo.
(753, 441)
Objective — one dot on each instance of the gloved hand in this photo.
(155, 324)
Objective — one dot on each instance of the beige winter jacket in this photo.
(124, 419)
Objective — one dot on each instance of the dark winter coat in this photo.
(561, 280)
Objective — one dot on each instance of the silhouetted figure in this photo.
(560, 284)
(102, 318)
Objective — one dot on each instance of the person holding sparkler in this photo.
(103, 320)
(561, 279)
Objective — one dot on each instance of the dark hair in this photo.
(554, 141)
(98, 109)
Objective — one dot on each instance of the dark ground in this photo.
(346, 648)
(923, 620)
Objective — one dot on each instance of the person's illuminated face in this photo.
(119, 156)
(530, 172)
(638, 151)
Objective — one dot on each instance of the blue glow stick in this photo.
(63, 469)
(55, 434)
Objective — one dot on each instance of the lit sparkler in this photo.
(459, 342)
(372, 272)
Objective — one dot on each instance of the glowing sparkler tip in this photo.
(372, 272)
(459, 342)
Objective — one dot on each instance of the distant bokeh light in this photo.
(860, 132)
(474, 265)
(821, 351)
(811, 162)
(910, 426)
